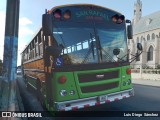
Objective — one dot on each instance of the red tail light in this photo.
(115, 18)
(67, 14)
(118, 19)
(57, 14)
(128, 71)
(62, 79)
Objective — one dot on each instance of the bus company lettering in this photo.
(92, 13)
(34, 115)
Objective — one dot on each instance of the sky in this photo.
(31, 15)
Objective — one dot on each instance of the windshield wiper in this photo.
(91, 49)
(106, 55)
(99, 48)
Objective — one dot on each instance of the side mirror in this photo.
(54, 51)
(129, 31)
(116, 51)
(51, 51)
(139, 46)
(47, 24)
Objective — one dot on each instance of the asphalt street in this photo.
(147, 98)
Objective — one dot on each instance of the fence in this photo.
(148, 74)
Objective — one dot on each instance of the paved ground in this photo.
(149, 83)
(155, 83)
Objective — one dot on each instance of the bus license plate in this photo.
(101, 98)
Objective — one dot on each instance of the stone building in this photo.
(146, 30)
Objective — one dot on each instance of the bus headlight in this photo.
(63, 92)
(72, 92)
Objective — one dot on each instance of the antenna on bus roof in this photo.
(46, 11)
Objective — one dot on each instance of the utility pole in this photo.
(8, 81)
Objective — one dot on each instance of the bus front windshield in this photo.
(90, 42)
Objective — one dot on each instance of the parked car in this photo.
(19, 71)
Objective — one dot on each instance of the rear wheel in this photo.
(39, 92)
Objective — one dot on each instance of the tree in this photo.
(0, 67)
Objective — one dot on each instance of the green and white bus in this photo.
(79, 58)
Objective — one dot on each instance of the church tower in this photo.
(137, 11)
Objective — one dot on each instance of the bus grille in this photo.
(98, 77)
(102, 87)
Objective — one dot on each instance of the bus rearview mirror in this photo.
(116, 51)
(129, 32)
(47, 24)
(139, 46)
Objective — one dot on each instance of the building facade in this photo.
(146, 30)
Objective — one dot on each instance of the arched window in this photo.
(141, 38)
(148, 37)
(153, 36)
(150, 54)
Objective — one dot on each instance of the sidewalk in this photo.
(4, 101)
(155, 83)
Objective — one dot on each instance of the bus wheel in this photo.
(39, 93)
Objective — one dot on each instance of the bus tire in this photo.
(39, 93)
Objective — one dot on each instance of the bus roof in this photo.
(68, 5)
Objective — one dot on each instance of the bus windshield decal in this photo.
(92, 13)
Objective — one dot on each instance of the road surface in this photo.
(147, 98)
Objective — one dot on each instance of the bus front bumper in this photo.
(93, 101)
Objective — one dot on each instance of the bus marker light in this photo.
(57, 14)
(115, 18)
(120, 19)
(67, 14)
(128, 71)
(62, 79)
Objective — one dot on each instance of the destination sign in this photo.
(91, 14)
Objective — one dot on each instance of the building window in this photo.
(153, 36)
(150, 54)
(148, 37)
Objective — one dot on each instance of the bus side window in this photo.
(29, 54)
(33, 49)
(40, 44)
(36, 47)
